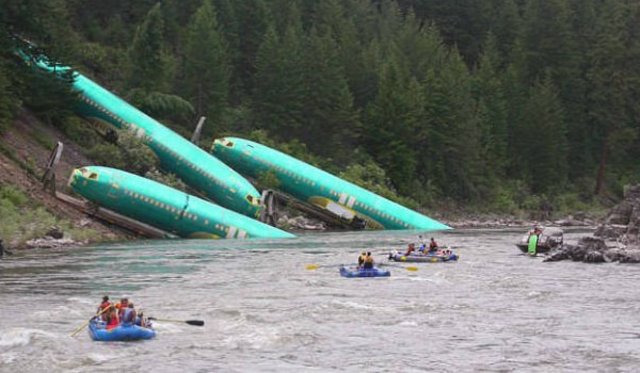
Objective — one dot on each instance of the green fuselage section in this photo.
(164, 207)
(308, 183)
(177, 155)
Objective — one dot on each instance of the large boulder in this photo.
(610, 231)
(622, 226)
(55, 232)
(623, 221)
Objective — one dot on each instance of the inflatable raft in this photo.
(98, 332)
(439, 256)
(351, 272)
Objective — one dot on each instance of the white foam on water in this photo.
(53, 312)
(20, 337)
(253, 338)
(8, 357)
(416, 279)
(165, 327)
(99, 358)
(408, 323)
(359, 306)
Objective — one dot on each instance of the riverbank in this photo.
(29, 215)
(578, 220)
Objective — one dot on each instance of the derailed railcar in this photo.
(164, 207)
(320, 188)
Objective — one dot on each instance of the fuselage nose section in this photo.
(76, 176)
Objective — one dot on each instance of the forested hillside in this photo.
(496, 104)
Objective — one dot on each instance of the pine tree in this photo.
(545, 148)
(391, 122)
(45, 23)
(452, 153)
(505, 24)
(253, 18)
(207, 65)
(328, 103)
(462, 23)
(611, 83)
(7, 99)
(147, 63)
(492, 112)
(6, 102)
(279, 93)
(228, 26)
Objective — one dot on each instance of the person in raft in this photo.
(410, 249)
(111, 317)
(433, 246)
(141, 319)
(368, 261)
(423, 245)
(102, 308)
(361, 259)
(128, 315)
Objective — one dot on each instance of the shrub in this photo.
(80, 132)
(139, 158)
(107, 155)
(268, 180)
(13, 195)
(372, 177)
(130, 154)
(294, 148)
(168, 179)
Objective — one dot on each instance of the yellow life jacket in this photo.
(368, 259)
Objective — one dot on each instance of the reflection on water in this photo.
(493, 310)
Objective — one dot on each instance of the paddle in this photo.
(408, 268)
(87, 323)
(313, 267)
(190, 322)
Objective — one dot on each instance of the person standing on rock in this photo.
(534, 236)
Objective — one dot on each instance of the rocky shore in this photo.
(54, 238)
(576, 220)
(616, 240)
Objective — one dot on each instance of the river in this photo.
(493, 310)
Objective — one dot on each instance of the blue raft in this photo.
(352, 272)
(98, 332)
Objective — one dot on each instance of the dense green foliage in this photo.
(499, 103)
(129, 153)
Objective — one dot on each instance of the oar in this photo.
(87, 323)
(190, 322)
(313, 267)
(408, 268)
